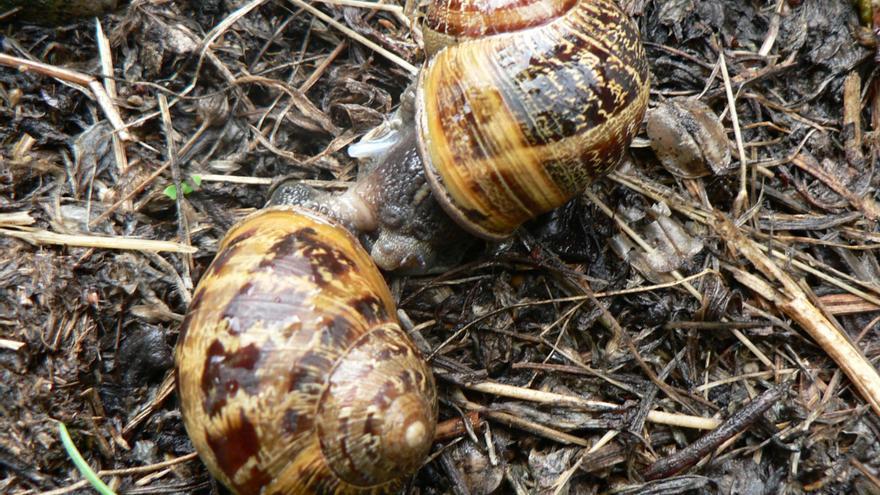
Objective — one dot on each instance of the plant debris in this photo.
(706, 328)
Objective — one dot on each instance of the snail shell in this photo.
(532, 101)
(523, 104)
(293, 373)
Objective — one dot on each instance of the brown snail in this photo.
(523, 105)
(293, 373)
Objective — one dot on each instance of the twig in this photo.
(357, 36)
(529, 426)
(456, 427)
(122, 472)
(847, 304)
(773, 31)
(852, 125)
(793, 301)
(742, 197)
(397, 9)
(135, 190)
(16, 218)
(166, 388)
(758, 374)
(12, 345)
(865, 204)
(739, 421)
(319, 70)
(562, 481)
(39, 237)
(872, 477)
(78, 78)
(171, 155)
(106, 58)
(541, 397)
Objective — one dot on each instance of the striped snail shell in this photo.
(293, 373)
(521, 105)
(530, 101)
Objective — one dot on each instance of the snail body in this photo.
(293, 373)
(521, 107)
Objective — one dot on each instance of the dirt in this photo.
(87, 333)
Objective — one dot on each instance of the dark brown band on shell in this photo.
(289, 300)
(514, 125)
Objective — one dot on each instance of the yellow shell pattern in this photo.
(293, 373)
(516, 119)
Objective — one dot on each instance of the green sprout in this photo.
(81, 463)
(186, 186)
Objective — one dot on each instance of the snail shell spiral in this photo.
(293, 373)
(530, 102)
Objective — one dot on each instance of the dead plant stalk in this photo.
(794, 302)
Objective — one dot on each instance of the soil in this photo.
(230, 96)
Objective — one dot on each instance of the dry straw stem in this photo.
(561, 482)
(166, 388)
(694, 212)
(74, 77)
(530, 426)
(742, 197)
(659, 417)
(40, 237)
(356, 36)
(236, 179)
(794, 302)
(16, 218)
(12, 345)
(675, 273)
(106, 58)
(123, 472)
(864, 203)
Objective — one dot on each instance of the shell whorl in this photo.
(516, 123)
(293, 373)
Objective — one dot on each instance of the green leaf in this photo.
(185, 186)
(81, 463)
(171, 192)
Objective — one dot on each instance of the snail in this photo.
(519, 107)
(293, 373)
(56, 11)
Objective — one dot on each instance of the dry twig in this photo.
(790, 297)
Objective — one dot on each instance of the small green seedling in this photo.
(81, 463)
(186, 186)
